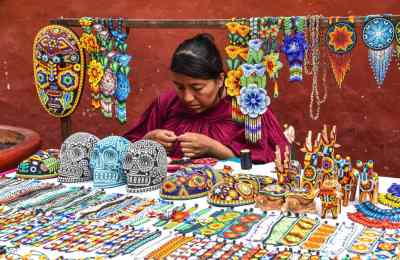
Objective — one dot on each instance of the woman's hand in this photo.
(166, 138)
(197, 145)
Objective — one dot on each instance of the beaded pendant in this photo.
(294, 46)
(378, 35)
(340, 39)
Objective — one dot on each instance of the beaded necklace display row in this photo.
(108, 67)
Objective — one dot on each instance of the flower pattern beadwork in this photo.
(253, 101)
(378, 33)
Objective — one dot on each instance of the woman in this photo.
(194, 120)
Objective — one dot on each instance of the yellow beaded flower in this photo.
(89, 42)
(232, 82)
(273, 65)
(95, 72)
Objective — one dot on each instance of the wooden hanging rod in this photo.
(190, 23)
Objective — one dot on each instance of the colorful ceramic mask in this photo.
(145, 165)
(106, 162)
(189, 183)
(58, 68)
(74, 157)
(43, 164)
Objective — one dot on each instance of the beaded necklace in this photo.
(314, 97)
(389, 200)
(397, 29)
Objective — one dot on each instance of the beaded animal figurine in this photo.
(330, 198)
(309, 179)
(347, 177)
(327, 151)
(369, 184)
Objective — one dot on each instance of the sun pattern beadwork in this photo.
(341, 38)
(145, 165)
(58, 68)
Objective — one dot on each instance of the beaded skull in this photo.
(106, 162)
(145, 165)
(74, 157)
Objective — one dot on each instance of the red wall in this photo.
(366, 116)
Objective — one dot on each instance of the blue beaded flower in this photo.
(253, 101)
(294, 47)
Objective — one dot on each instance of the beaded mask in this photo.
(106, 162)
(145, 165)
(74, 157)
(43, 164)
(58, 68)
(189, 183)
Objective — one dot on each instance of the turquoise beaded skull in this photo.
(106, 162)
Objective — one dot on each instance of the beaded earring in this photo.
(378, 34)
(340, 39)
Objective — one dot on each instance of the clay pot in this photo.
(16, 144)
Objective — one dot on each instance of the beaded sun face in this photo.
(58, 67)
(74, 157)
(106, 162)
(145, 165)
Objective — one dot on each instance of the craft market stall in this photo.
(100, 198)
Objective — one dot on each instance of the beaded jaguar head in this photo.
(44, 164)
(74, 157)
(58, 67)
(107, 160)
(189, 183)
(145, 165)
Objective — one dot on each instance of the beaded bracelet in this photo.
(45, 198)
(389, 200)
(97, 208)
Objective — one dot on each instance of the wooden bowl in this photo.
(16, 144)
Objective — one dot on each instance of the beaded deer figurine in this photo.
(327, 152)
(330, 198)
(309, 179)
(347, 177)
(369, 184)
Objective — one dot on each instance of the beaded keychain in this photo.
(279, 229)
(364, 241)
(319, 237)
(241, 226)
(299, 231)
(336, 244)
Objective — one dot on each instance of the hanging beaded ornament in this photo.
(294, 46)
(269, 33)
(397, 31)
(378, 35)
(58, 69)
(340, 39)
(237, 54)
(95, 69)
(119, 64)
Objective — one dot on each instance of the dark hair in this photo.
(198, 57)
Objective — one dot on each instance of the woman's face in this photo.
(197, 94)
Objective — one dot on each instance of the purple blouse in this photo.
(168, 112)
